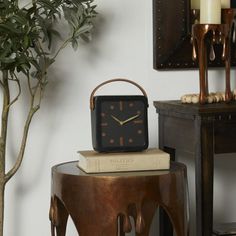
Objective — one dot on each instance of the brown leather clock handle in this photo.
(110, 81)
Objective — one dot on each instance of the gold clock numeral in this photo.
(104, 124)
(112, 107)
(140, 131)
(130, 140)
(138, 121)
(112, 141)
(131, 104)
(121, 141)
(104, 134)
(103, 114)
(121, 105)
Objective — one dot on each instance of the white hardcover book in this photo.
(150, 159)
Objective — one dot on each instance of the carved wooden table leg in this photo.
(204, 168)
(95, 201)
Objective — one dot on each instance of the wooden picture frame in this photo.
(233, 3)
(172, 48)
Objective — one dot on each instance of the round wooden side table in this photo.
(96, 201)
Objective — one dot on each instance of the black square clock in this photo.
(119, 123)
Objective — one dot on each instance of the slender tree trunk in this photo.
(3, 138)
(2, 185)
(2, 190)
(5, 177)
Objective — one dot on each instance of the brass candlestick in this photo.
(206, 36)
(228, 16)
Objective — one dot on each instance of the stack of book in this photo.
(150, 159)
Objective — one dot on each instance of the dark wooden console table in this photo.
(96, 201)
(203, 130)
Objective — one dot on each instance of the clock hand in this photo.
(130, 119)
(116, 119)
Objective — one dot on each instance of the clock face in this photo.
(122, 122)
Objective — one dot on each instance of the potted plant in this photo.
(26, 36)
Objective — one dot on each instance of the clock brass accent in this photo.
(104, 124)
(116, 119)
(138, 121)
(112, 141)
(121, 141)
(130, 119)
(140, 131)
(121, 106)
(125, 121)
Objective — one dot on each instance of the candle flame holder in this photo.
(204, 38)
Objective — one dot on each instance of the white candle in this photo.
(210, 12)
(225, 3)
(195, 4)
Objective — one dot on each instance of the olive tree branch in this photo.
(5, 112)
(19, 90)
(37, 90)
(18, 162)
(1, 83)
(33, 109)
(29, 84)
(64, 44)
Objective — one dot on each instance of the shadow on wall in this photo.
(36, 146)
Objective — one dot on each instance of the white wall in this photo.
(122, 47)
